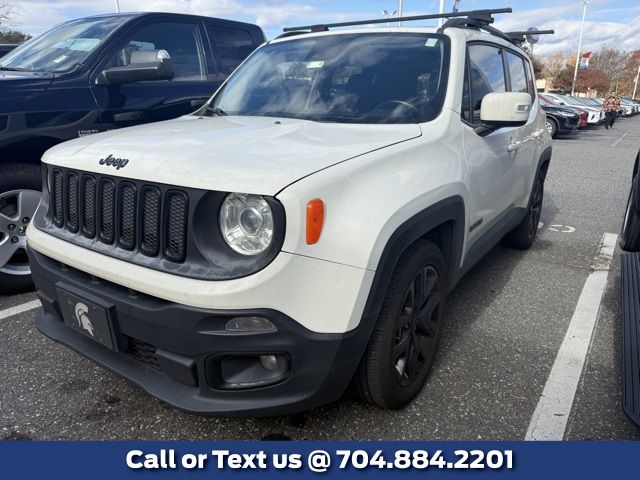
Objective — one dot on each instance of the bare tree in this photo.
(553, 65)
(7, 14)
(610, 60)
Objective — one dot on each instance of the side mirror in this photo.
(505, 109)
(145, 65)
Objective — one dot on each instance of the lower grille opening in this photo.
(143, 352)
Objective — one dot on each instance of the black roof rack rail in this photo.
(292, 33)
(479, 14)
(519, 37)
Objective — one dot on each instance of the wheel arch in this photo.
(443, 223)
(28, 150)
(543, 162)
(634, 182)
(553, 119)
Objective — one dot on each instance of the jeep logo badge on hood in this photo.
(114, 162)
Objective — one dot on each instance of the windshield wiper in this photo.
(11, 69)
(216, 111)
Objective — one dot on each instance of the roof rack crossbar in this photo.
(531, 32)
(479, 14)
(520, 36)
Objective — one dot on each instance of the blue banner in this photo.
(318, 460)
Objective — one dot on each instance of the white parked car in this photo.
(596, 114)
(302, 231)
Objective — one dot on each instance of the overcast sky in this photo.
(608, 21)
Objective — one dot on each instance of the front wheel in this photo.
(20, 186)
(552, 127)
(406, 335)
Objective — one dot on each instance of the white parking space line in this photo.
(25, 307)
(621, 138)
(550, 418)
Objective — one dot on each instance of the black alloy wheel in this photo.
(416, 328)
(535, 208)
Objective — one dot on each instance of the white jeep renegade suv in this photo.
(302, 231)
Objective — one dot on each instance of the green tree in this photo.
(13, 36)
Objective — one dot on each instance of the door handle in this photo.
(514, 147)
(129, 117)
(537, 133)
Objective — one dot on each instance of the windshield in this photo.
(574, 101)
(589, 101)
(355, 78)
(62, 48)
(552, 100)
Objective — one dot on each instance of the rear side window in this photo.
(485, 74)
(233, 46)
(530, 81)
(517, 73)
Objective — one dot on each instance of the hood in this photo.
(557, 108)
(16, 87)
(259, 155)
(9, 75)
(589, 109)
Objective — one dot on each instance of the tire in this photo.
(630, 233)
(524, 234)
(402, 346)
(20, 189)
(552, 127)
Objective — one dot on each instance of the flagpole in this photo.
(575, 72)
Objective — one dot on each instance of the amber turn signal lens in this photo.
(315, 220)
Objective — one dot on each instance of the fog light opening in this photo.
(269, 362)
(244, 371)
(250, 324)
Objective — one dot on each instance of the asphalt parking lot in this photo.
(506, 323)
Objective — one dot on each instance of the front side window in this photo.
(64, 47)
(180, 40)
(354, 78)
(486, 74)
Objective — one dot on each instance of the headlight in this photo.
(568, 114)
(246, 223)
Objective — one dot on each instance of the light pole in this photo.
(635, 83)
(441, 20)
(399, 12)
(575, 72)
(117, 6)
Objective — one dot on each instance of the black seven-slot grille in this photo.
(119, 212)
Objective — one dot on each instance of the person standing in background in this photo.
(611, 107)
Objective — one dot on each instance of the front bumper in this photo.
(568, 125)
(171, 350)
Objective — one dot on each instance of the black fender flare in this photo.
(545, 157)
(635, 182)
(450, 210)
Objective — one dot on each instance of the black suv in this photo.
(95, 74)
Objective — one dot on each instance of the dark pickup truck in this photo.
(6, 48)
(95, 74)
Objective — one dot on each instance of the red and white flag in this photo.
(584, 60)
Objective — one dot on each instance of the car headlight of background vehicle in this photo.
(569, 114)
(246, 223)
